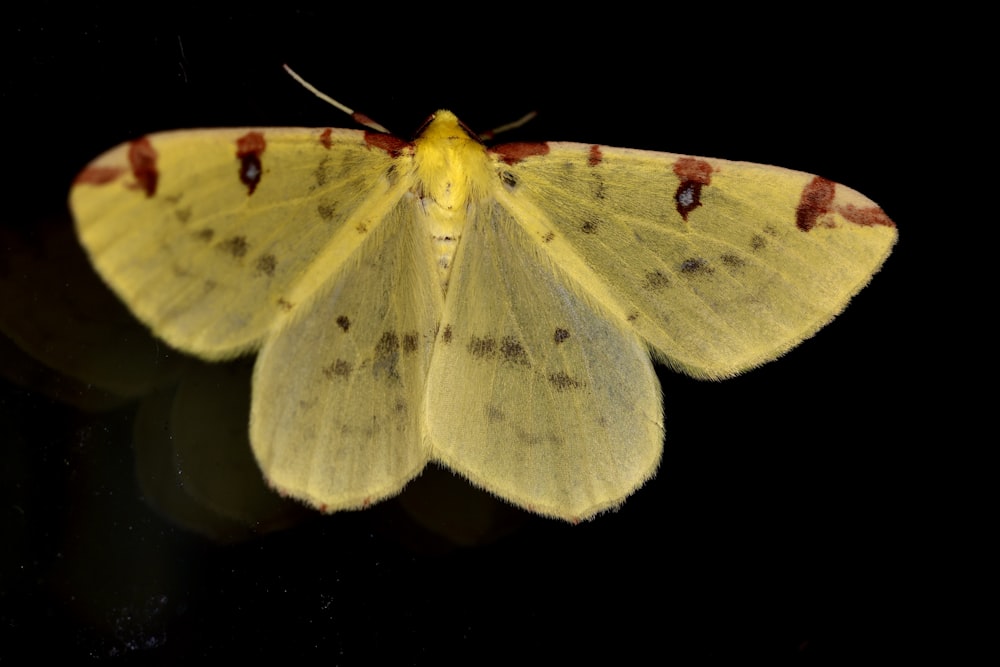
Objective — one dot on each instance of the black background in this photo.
(779, 524)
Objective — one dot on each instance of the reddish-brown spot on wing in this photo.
(394, 146)
(325, 139)
(693, 169)
(98, 175)
(248, 150)
(142, 159)
(866, 217)
(694, 174)
(517, 151)
(595, 156)
(816, 200)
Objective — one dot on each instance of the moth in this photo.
(495, 309)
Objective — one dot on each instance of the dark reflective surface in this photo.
(135, 529)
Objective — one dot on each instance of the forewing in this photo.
(210, 236)
(720, 266)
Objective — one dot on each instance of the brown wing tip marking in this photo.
(866, 217)
(344, 323)
(248, 150)
(325, 138)
(693, 174)
(560, 336)
(410, 341)
(515, 152)
(142, 159)
(394, 146)
(819, 199)
(446, 334)
(595, 156)
(98, 175)
(816, 200)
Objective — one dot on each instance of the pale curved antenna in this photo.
(359, 118)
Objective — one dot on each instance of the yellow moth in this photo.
(490, 308)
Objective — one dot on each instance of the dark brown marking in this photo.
(338, 368)
(561, 335)
(204, 235)
(387, 354)
(142, 159)
(866, 217)
(248, 150)
(482, 348)
(517, 151)
(344, 322)
(322, 172)
(548, 237)
(446, 334)
(389, 342)
(561, 381)
(236, 246)
(817, 197)
(98, 175)
(284, 305)
(509, 179)
(361, 228)
(266, 265)
(758, 242)
(694, 174)
(598, 189)
(693, 169)
(325, 138)
(495, 414)
(390, 144)
(590, 226)
(733, 261)
(183, 214)
(656, 280)
(633, 316)
(410, 342)
(595, 156)
(512, 351)
(326, 211)
(696, 265)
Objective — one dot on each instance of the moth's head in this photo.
(444, 125)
